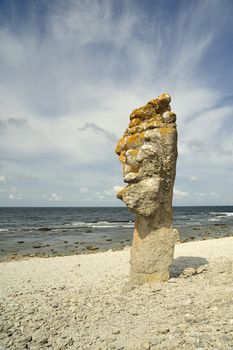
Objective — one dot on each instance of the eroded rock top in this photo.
(147, 151)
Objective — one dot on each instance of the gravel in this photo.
(85, 302)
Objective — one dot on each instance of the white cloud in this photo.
(105, 194)
(193, 178)
(2, 178)
(17, 196)
(84, 190)
(178, 194)
(54, 197)
(214, 194)
(108, 192)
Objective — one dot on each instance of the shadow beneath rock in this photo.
(183, 262)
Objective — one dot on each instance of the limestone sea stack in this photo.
(148, 152)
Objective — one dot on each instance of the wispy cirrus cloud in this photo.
(100, 131)
(72, 73)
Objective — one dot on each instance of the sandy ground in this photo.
(82, 302)
(209, 249)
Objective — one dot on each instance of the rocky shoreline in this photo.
(84, 302)
(25, 248)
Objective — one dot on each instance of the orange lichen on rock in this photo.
(122, 192)
(122, 157)
(155, 114)
(131, 156)
(153, 122)
(132, 152)
(134, 141)
(144, 112)
(120, 145)
(131, 168)
(166, 130)
(134, 122)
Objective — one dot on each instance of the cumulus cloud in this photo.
(17, 196)
(54, 197)
(84, 190)
(178, 194)
(104, 194)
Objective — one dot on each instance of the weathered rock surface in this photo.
(148, 152)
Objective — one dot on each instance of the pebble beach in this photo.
(85, 302)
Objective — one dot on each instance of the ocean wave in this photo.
(76, 223)
(222, 213)
(112, 226)
(101, 224)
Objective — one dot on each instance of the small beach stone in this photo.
(146, 346)
(43, 341)
(201, 269)
(36, 246)
(91, 248)
(163, 330)
(189, 271)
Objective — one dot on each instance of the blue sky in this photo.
(71, 73)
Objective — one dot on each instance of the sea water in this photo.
(59, 231)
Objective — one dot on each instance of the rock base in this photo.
(151, 256)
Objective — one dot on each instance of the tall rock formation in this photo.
(148, 152)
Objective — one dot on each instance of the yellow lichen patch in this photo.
(122, 158)
(131, 168)
(166, 130)
(165, 97)
(157, 105)
(144, 112)
(153, 122)
(154, 103)
(138, 129)
(134, 141)
(136, 113)
(129, 131)
(122, 192)
(120, 145)
(133, 130)
(160, 105)
(132, 153)
(134, 122)
(131, 156)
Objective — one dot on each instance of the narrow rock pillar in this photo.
(148, 152)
